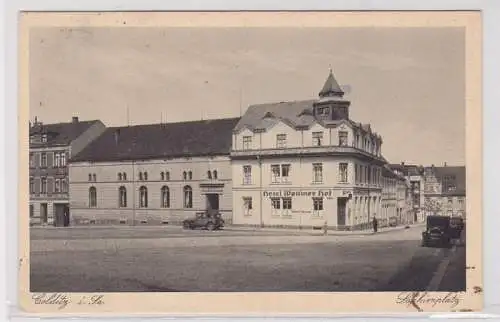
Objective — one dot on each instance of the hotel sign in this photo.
(301, 193)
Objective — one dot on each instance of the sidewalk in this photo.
(320, 232)
(285, 231)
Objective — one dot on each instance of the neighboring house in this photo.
(157, 173)
(306, 163)
(414, 175)
(51, 145)
(445, 189)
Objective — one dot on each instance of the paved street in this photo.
(170, 259)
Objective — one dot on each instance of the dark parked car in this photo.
(393, 221)
(457, 225)
(204, 220)
(438, 232)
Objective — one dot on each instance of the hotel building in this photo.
(307, 164)
(153, 174)
(51, 145)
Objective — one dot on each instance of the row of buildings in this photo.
(300, 163)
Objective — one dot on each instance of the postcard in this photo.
(263, 163)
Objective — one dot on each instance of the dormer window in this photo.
(44, 138)
(317, 138)
(247, 142)
(343, 138)
(281, 141)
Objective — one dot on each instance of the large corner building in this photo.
(307, 163)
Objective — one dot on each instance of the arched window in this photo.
(140, 175)
(94, 177)
(209, 174)
(190, 175)
(188, 197)
(215, 174)
(165, 197)
(167, 176)
(184, 175)
(92, 197)
(143, 197)
(162, 175)
(145, 176)
(124, 176)
(120, 176)
(122, 197)
(90, 177)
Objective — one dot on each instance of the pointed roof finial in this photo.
(331, 87)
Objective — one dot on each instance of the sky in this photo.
(408, 83)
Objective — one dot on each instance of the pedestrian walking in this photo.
(325, 228)
(375, 224)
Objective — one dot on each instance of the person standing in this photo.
(375, 224)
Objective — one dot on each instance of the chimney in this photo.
(403, 164)
(117, 135)
(445, 164)
(74, 119)
(36, 121)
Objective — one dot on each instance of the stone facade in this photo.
(149, 191)
(51, 146)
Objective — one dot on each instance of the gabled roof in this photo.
(61, 133)
(331, 87)
(453, 175)
(156, 141)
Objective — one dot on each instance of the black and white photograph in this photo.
(249, 158)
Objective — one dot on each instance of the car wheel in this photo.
(210, 226)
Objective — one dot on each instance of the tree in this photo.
(433, 206)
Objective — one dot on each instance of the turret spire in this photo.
(331, 87)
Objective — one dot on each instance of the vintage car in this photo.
(438, 232)
(457, 225)
(204, 220)
(393, 221)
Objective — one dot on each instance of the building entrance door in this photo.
(212, 202)
(43, 213)
(61, 215)
(341, 211)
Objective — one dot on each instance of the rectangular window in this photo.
(343, 138)
(32, 160)
(44, 138)
(57, 185)
(43, 160)
(281, 141)
(287, 203)
(317, 138)
(317, 203)
(43, 185)
(343, 175)
(247, 143)
(32, 185)
(356, 141)
(317, 172)
(285, 173)
(247, 205)
(323, 110)
(247, 174)
(275, 173)
(64, 187)
(63, 159)
(276, 203)
(57, 162)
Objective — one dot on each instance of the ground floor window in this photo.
(92, 197)
(122, 197)
(287, 203)
(188, 197)
(247, 205)
(317, 204)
